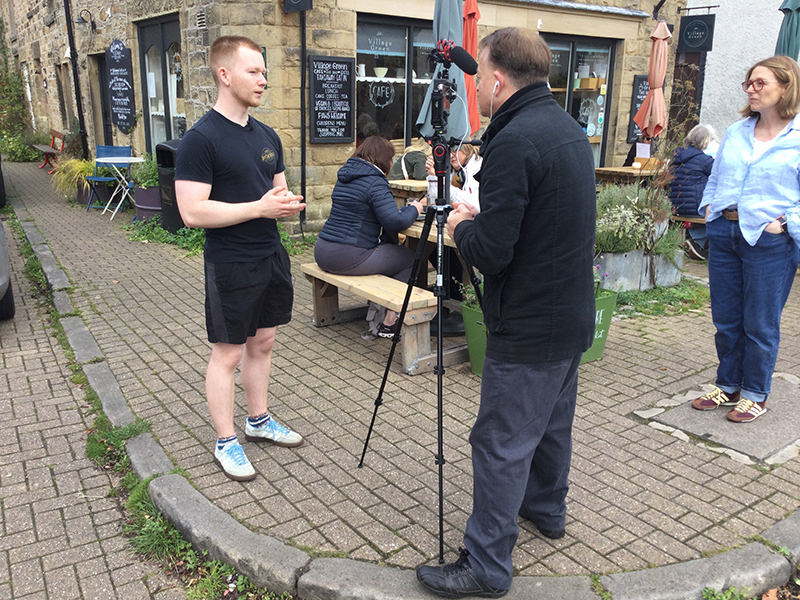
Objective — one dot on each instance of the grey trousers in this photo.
(521, 451)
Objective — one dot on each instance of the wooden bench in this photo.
(415, 341)
(51, 152)
(680, 219)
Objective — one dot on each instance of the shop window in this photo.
(392, 76)
(162, 80)
(580, 81)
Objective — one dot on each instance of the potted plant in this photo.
(146, 190)
(605, 301)
(633, 241)
(70, 176)
(474, 328)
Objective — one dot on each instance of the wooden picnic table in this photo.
(622, 174)
(407, 189)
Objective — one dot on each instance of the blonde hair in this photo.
(419, 145)
(224, 49)
(469, 151)
(787, 73)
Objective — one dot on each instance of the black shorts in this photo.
(244, 297)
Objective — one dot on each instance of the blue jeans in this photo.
(749, 287)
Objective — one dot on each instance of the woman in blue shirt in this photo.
(752, 208)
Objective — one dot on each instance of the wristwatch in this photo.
(782, 221)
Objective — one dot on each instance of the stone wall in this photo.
(331, 27)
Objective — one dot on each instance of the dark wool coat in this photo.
(534, 238)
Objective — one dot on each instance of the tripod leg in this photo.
(396, 337)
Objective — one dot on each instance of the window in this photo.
(580, 79)
(162, 80)
(392, 76)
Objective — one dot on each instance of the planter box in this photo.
(475, 331)
(636, 271)
(147, 202)
(604, 307)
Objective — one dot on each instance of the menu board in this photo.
(332, 92)
(640, 89)
(120, 86)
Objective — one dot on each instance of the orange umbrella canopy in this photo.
(652, 116)
(470, 44)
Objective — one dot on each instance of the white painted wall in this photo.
(745, 32)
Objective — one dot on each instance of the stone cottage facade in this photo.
(598, 47)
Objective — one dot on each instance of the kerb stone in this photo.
(786, 534)
(147, 456)
(753, 566)
(267, 562)
(81, 340)
(105, 384)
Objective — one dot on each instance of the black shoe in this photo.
(452, 325)
(456, 580)
(695, 250)
(388, 331)
(552, 534)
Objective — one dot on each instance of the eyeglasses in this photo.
(758, 84)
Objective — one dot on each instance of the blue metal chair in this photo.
(95, 180)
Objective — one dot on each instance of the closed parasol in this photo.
(652, 116)
(789, 36)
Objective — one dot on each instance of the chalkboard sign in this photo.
(332, 92)
(640, 89)
(120, 86)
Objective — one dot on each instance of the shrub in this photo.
(145, 174)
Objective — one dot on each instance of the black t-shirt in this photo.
(239, 163)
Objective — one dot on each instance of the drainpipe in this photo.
(73, 57)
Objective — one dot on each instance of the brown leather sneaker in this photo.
(715, 398)
(746, 411)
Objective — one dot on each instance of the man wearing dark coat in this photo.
(533, 241)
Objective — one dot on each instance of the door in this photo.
(161, 64)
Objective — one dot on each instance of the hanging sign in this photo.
(332, 92)
(640, 89)
(295, 5)
(120, 86)
(696, 33)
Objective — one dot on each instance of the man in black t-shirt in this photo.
(229, 179)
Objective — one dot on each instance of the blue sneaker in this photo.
(233, 462)
(272, 432)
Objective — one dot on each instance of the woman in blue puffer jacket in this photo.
(363, 204)
(690, 169)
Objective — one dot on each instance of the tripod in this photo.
(443, 89)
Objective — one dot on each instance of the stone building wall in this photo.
(331, 30)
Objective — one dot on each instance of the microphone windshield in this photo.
(463, 60)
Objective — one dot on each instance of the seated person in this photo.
(631, 158)
(690, 168)
(349, 243)
(411, 164)
(464, 164)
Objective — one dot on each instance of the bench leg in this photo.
(53, 170)
(46, 162)
(326, 302)
(416, 337)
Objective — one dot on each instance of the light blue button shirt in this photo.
(762, 188)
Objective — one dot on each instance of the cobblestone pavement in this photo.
(639, 496)
(60, 533)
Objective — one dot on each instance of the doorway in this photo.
(161, 64)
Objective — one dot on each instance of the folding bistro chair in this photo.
(105, 152)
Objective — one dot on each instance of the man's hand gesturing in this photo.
(279, 202)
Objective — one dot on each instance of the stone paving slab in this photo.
(780, 421)
(60, 533)
(639, 497)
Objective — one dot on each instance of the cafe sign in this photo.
(381, 93)
(120, 86)
(696, 33)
